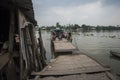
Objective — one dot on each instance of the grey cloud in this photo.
(111, 2)
(65, 3)
(106, 14)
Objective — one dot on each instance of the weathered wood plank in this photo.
(11, 33)
(110, 76)
(97, 76)
(42, 51)
(72, 64)
(63, 46)
(74, 67)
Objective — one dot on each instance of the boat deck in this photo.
(63, 46)
(97, 76)
(74, 67)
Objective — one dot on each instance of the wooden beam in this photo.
(110, 76)
(11, 32)
(34, 46)
(42, 50)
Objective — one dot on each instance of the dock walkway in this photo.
(63, 46)
(73, 66)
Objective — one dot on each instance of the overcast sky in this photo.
(90, 12)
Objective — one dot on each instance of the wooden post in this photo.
(23, 56)
(11, 71)
(34, 46)
(11, 33)
(30, 51)
(42, 50)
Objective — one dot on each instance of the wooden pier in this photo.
(73, 67)
(63, 46)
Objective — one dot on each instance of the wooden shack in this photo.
(21, 56)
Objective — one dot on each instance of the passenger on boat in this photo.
(17, 41)
(65, 35)
(54, 36)
(60, 35)
(69, 38)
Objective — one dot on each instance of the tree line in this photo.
(83, 27)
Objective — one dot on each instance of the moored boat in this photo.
(115, 54)
(59, 34)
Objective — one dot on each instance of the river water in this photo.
(95, 44)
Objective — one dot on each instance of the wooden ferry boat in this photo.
(62, 41)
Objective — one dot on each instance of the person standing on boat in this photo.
(53, 36)
(60, 36)
(69, 38)
(65, 34)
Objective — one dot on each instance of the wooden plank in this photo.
(72, 64)
(42, 50)
(63, 40)
(97, 76)
(63, 46)
(70, 72)
(34, 47)
(11, 32)
(74, 67)
(110, 76)
(84, 76)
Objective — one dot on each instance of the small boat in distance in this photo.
(115, 53)
(60, 34)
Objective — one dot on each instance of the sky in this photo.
(89, 12)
